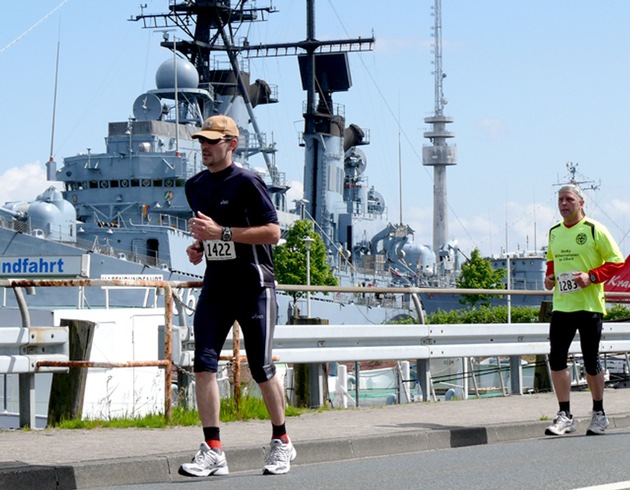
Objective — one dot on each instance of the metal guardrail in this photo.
(22, 349)
(329, 343)
(313, 344)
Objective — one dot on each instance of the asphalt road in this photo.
(120, 458)
(567, 462)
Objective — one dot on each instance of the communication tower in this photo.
(439, 154)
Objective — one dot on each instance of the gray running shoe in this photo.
(561, 425)
(206, 462)
(599, 424)
(279, 457)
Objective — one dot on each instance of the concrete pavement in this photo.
(65, 459)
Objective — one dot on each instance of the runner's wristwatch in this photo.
(226, 234)
(592, 277)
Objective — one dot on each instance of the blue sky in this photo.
(531, 85)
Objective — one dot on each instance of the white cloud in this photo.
(620, 207)
(614, 215)
(396, 45)
(491, 130)
(23, 183)
(421, 221)
(295, 193)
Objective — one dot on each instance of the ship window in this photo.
(113, 183)
(180, 182)
(93, 184)
(135, 183)
(158, 183)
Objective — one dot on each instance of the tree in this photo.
(478, 273)
(290, 259)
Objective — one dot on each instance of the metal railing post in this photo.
(168, 351)
(27, 400)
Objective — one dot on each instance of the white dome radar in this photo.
(187, 76)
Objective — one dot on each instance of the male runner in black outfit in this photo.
(234, 225)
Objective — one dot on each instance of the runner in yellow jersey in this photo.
(581, 256)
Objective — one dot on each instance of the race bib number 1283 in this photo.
(566, 283)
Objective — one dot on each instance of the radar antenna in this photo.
(574, 176)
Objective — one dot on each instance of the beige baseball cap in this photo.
(216, 127)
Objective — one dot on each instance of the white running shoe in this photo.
(279, 457)
(599, 424)
(561, 425)
(206, 462)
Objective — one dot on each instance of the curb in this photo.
(164, 468)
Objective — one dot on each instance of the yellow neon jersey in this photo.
(580, 248)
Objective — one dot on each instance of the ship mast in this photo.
(324, 70)
(322, 76)
(51, 166)
(591, 185)
(439, 155)
(212, 27)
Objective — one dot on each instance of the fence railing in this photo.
(330, 343)
(48, 364)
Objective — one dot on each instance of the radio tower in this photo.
(438, 154)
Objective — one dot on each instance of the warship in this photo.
(122, 213)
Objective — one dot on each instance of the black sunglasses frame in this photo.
(203, 139)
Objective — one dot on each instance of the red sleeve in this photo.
(606, 271)
(550, 270)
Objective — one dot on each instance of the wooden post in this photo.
(307, 376)
(68, 389)
(542, 382)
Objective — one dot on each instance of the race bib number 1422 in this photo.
(219, 250)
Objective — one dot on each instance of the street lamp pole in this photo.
(308, 241)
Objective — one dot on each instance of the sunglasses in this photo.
(212, 141)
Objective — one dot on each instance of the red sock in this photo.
(214, 444)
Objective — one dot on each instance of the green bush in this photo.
(498, 314)
(618, 312)
(485, 314)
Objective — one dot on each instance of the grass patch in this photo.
(251, 408)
